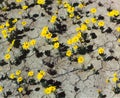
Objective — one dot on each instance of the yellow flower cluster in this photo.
(93, 10)
(101, 23)
(115, 77)
(2, 26)
(113, 13)
(19, 79)
(68, 53)
(70, 9)
(41, 2)
(81, 59)
(20, 89)
(118, 29)
(18, 1)
(7, 56)
(11, 29)
(81, 5)
(40, 75)
(26, 45)
(101, 50)
(24, 7)
(14, 21)
(14, 75)
(44, 31)
(53, 19)
(24, 23)
(30, 73)
(56, 45)
(74, 39)
(7, 23)
(1, 88)
(4, 33)
(49, 90)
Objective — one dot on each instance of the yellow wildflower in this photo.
(12, 76)
(81, 59)
(71, 15)
(7, 24)
(32, 42)
(1, 88)
(93, 20)
(7, 56)
(53, 88)
(47, 90)
(30, 73)
(70, 9)
(2, 26)
(53, 19)
(41, 2)
(118, 29)
(83, 27)
(93, 10)
(68, 53)
(69, 41)
(39, 76)
(20, 89)
(24, 23)
(4, 33)
(115, 79)
(100, 50)
(87, 21)
(101, 23)
(19, 79)
(55, 39)
(14, 21)
(56, 45)
(24, 7)
(49, 35)
(75, 47)
(81, 5)
(18, 72)
(25, 45)
(18, 0)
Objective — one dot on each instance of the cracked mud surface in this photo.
(76, 80)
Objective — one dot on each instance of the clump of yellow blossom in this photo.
(56, 45)
(18, 1)
(30, 73)
(41, 2)
(26, 45)
(49, 90)
(115, 77)
(40, 75)
(24, 23)
(32, 42)
(101, 50)
(118, 29)
(1, 88)
(81, 59)
(68, 53)
(44, 31)
(24, 7)
(19, 79)
(53, 19)
(7, 56)
(93, 10)
(20, 89)
(101, 23)
(12, 76)
(18, 72)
